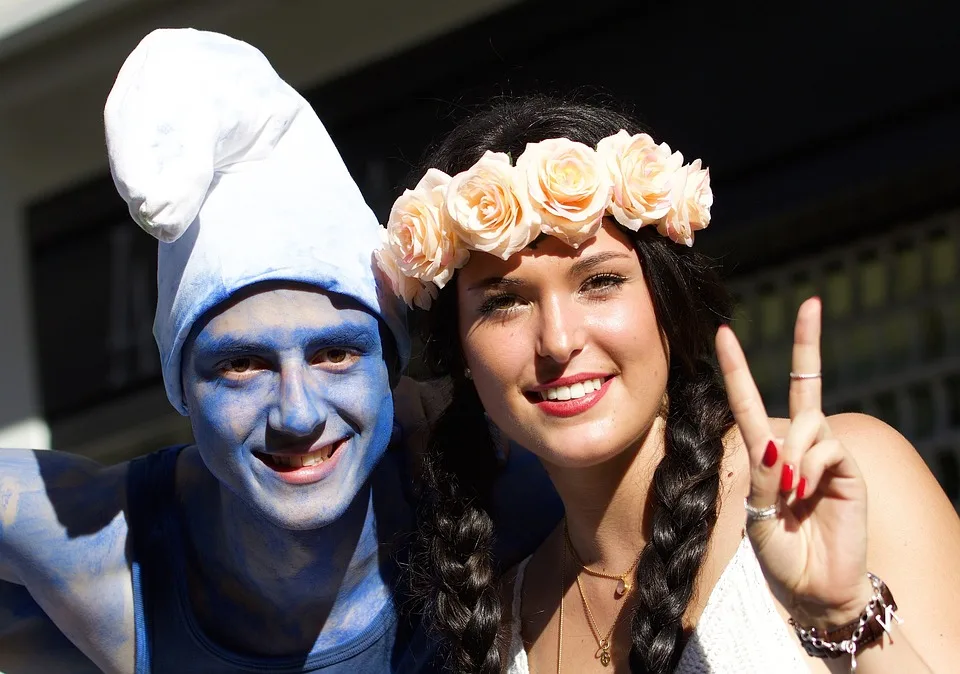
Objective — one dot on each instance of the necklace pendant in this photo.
(622, 588)
(604, 653)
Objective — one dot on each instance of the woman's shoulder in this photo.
(900, 486)
(881, 452)
(883, 455)
(901, 489)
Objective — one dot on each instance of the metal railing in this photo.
(891, 333)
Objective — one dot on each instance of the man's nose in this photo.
(560, 332)
(301, 409)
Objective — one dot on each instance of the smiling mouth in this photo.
(573, 391)
(289, 461)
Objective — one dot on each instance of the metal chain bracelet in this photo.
(848, 639)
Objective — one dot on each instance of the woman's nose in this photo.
(560, 331)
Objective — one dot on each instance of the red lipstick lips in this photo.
(572, 395)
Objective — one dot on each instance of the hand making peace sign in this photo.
(813, 547)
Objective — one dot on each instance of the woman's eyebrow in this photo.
(578, 268)
(585, 264)
(496, 282)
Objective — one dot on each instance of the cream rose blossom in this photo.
(691, 199)
(569, 186)
(698, 195)
(422, 241)
(489, 208)
(407, 288)
(643, 175)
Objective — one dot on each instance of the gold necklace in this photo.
(624, 580)
(603, 643)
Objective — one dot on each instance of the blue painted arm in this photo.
(29, 641)
(63, 537)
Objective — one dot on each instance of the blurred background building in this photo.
(832, 130)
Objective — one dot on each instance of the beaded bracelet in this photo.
(879, 612)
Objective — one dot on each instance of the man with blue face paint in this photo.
(270, 544)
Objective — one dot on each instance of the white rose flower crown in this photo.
(558, 187)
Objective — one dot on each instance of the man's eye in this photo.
(239, 365)
(335, 356)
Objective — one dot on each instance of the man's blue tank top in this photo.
(169, 639)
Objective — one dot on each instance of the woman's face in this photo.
(564, 346)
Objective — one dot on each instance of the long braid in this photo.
(686, 484)
(685, 493)
(454, 573)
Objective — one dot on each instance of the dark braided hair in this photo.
(452, 552)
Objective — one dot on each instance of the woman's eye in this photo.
(498, 303)
(602, 282)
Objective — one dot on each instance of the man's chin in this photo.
(301, 516)
(305, 507)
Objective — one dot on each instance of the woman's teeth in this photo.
(573, 392)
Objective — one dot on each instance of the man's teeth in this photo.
(303, 460)
(573, 392)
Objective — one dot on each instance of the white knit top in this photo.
(739, 630)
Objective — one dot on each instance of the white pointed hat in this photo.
(231, 169)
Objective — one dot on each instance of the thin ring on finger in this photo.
(755, 514)
(800, 376)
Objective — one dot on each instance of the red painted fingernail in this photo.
(770, 454)
(786, 477)
(802, 487)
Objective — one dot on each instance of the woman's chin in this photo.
(587, 446)
(579, 455)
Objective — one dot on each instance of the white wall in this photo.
(21, 424)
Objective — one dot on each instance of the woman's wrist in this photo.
(833, 641)
(825, 616)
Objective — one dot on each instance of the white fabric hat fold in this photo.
(231, 169)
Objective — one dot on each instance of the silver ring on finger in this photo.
(758, 514)
(799, 376)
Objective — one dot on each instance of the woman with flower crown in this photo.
(553, 245)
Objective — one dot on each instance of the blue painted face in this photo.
(290, 402)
